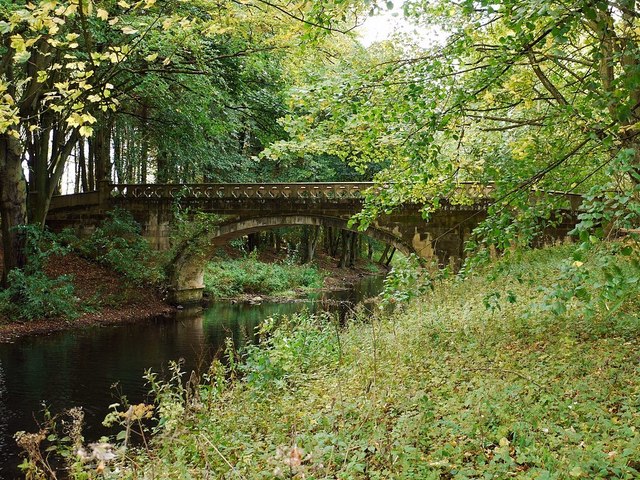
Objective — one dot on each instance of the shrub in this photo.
(31, 293)
(407, 280)
(34, 295)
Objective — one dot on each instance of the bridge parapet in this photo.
(334, 190)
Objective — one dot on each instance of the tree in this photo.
(71, 68)
(522, 94)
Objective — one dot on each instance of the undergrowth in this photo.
(479, 378)
(118, 244)
(31, 294)
(224, 278)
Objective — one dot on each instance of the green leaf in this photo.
(22, 57)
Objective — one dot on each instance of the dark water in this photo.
(92, 368)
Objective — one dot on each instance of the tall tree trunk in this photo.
(253, 241)
(383, 257)
(344, 253)
(277, 242)
(309, 243)
(353, 249)
(83, 166)
(388, 262)
(117, 152)
(162, 173)
(13, 204)
(91, 166)
(144, 138)
(102, 144)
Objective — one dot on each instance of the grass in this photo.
(233, 277)
(478, 379)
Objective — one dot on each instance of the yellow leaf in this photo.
(123, 4)
(86, 131)
(17, 43)
(74, 120)
(167, 23)
(88, 118)
(71, 9)
(127, 30)
(151, 58)
(102, 14)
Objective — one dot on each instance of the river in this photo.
(93, 367)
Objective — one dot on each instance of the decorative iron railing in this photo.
(343, 190)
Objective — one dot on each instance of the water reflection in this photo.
(82, 367)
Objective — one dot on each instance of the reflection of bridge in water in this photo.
(250, 208)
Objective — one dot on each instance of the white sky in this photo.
(382, 27)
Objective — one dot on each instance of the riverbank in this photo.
(498, 375)
(106, 297)
(110, 300)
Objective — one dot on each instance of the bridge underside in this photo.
(188, 269)
(441, 238)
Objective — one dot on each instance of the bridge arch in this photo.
(187, 272)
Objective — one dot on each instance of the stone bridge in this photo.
(247, 208)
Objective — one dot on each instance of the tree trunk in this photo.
(383, 257)
(344, 254)
(162, 167)
(91, 167)
(253, 241)
(353, 249)
(393, 251)
(310, 242)
(13, 204)
(277, 242)
(102, 147)
(83, 166)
